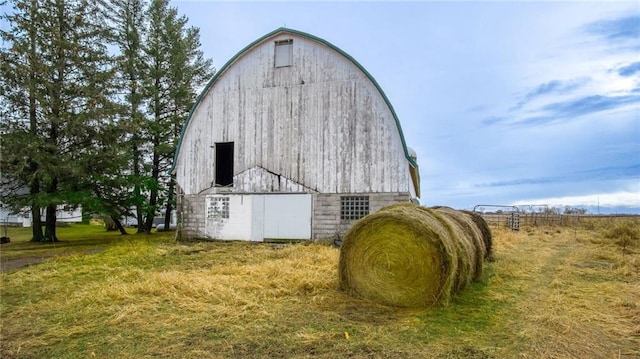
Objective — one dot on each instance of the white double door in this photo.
(281, 216)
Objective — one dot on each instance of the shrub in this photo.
(623, 232)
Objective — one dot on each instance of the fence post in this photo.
(515, 221)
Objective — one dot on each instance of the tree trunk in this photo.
(109, 223)
(51, 189)
(169, 209)
(148, 224)
(136, 189)
(139, 213)
(50, 224)
(50, 213)
(119, 225)
(36, 223)
(153, 195)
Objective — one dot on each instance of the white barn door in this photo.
(287, 216)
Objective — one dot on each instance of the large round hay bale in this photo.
(469, 240)
(410, 256)
(482, 225)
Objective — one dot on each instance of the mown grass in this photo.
(73, 238)
(552, 292)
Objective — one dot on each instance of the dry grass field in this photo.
(552, 292)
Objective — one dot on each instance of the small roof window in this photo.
(284, 53)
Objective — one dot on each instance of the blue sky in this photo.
(504, 102)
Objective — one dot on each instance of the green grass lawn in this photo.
(73, 238)
(553, 292)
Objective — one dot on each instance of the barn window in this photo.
(218, 207)
(354, 207)
(224, 163)
(284, 53)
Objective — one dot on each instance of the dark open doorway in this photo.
(224, 163)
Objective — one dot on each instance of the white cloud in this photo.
(629, 198)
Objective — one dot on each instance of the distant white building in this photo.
(24, 219)
(132, 221)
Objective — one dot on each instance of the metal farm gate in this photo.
(515, 216)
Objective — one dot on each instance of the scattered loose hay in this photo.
(409, 256)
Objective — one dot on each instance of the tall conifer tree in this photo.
(20, 67)
(130, 26)
(63, 137)
(176, 70)
(72, 89)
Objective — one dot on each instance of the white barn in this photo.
(291, 139)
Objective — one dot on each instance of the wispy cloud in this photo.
(567, 110)
(624, 28)
(488, 121)
(614, 33)
(518, 182)
(554, 87)
(622, 201)
(629, 70)
(557, 86)
(579, 107)
(631, 171)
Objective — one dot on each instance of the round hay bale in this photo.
(470, 237)
(410, 256)
(482, 225)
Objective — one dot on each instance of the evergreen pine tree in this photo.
(20, 68)
(176, 69)
(70, 89)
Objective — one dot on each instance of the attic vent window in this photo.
(284, 53)
(354, 207)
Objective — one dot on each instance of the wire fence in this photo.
(533, 215)
(515, 220)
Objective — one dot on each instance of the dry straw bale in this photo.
(410, 256)
(486, 233)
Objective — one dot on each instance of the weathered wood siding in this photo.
(319, 125)
(259, 178)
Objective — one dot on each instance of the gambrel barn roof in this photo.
(410, 157)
